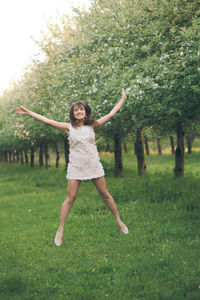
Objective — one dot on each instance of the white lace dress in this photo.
(84, 162)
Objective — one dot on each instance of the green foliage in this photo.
(151, 48)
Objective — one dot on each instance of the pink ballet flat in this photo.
(58, 244)
(125, 231)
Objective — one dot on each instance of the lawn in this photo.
(158, 259)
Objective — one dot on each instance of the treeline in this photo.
(25, 156)
(151, 48)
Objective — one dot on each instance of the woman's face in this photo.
(79, 113)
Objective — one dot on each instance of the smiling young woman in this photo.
(84, 162)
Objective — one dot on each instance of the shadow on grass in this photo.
(13, 285)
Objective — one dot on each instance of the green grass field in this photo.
(159, 259)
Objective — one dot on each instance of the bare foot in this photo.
(58, 238)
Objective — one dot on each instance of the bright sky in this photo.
(19, 20)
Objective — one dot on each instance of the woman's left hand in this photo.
(124, 95)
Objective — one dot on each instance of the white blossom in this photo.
(181, 53)
(155, 86)
(140, 92)
(94, 89)
(164, 57)
(198, 69)
(138, 81)
(121, 41)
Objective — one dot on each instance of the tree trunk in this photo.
(159, 146)
(179, 153)
(118, 157)
(57, 155)
(66, 149)
(6, 156)
(125, 148)
(41, 156)
(26, 156)
(139, 150)
(32, 157)
(107, 147)
(172, 144)
(47, 157)
(10, 156)
(22, 156)
(146, 140)
(189, 144)
(17, 154)
(14, 156)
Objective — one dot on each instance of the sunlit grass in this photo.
(159, 259)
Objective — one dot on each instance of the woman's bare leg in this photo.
(100, 184)
(72, 191)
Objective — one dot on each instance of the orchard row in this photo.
(148, 47)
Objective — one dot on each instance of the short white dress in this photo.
(84, 162)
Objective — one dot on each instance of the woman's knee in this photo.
(105, 194)
(70, 199)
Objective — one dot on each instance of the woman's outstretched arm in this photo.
(111, 114)
(59, 125)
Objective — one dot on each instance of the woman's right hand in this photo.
(21, 110)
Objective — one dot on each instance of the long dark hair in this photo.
(88, 118)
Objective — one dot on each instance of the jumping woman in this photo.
(84, 160)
